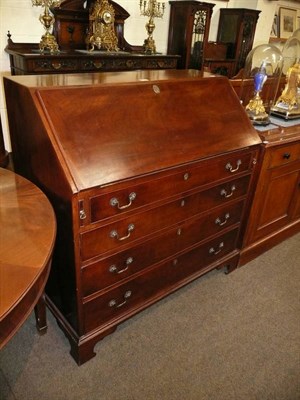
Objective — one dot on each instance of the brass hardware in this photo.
(113, 302)
(101, 31)
(97, 64)
(286, 156)
(225, 194)
(218, 220)
(115, 202)
(179, 232)
(156, 89)
(56, 65)
(152, 9)
(82, 214)
(230, 167)
(254, 161)
(48, 41)
(213, 251)
(129, 63)
(114, 233)
(175, 262)
(182, 203)
(186, 176)
(114, 269)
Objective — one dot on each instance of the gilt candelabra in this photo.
(151, 9)
(48, 40)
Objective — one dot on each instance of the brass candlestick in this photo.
(151, 9)
(48, 40)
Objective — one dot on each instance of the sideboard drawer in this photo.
(189, 178)
(112, 236)
(50, 65)
(112, 270)
(132, 294)
(284, 154)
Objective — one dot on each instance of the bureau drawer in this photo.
(112, 270)
(284, 154)
(135, 293)
(189, 178)
(112, 236)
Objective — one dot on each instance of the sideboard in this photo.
(26, 59)
(150, 179)
(275, 210)
(70, 28)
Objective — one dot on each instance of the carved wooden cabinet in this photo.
(275, 213)
(236, 30)
(188, 31)
(70, 30)
(147, 198)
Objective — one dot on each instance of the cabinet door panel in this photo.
(277, 203)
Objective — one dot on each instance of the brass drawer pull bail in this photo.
(113, 268)
(225, 194)
(113, 302)
(212, 250)
(219, 222)
(114, 233)
(230, 167)
(114, 202)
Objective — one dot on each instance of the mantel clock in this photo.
(101, 27)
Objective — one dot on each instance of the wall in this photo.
(21, 19)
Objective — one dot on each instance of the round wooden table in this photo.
(27, 235)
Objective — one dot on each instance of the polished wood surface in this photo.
(27, 234)
(275, 212)
(70, 29)
(3, 153)
(135, 174)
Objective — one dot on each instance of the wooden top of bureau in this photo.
(180, 116)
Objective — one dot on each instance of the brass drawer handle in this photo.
(287, 156)
(114, 202)
(219, 222)
(213, 251)
(230, 167)
(97, 64)
(225, 194)
(114, 270)
(114, 303)
(114, 233)
(56, 65)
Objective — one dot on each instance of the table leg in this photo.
(40, 316)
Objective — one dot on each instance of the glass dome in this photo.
(288, 103)
(291, 53)
(263, 69)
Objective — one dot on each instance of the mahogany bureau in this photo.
(150, 175)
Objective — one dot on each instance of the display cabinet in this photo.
(236, 30)
(188, 31)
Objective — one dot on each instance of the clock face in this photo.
(107, 18)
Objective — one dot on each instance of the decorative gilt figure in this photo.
(288, 104)
(255, 108)
(101, 32)
(48, 40)
(151, 9)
